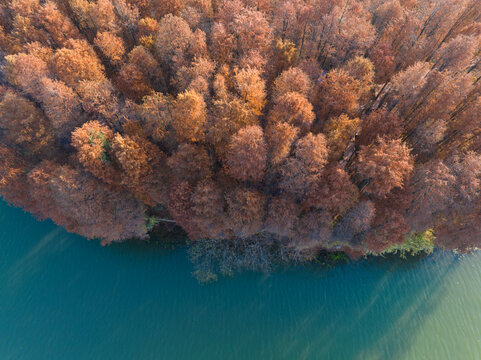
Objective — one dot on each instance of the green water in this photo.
(62, 297)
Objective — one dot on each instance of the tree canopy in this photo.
(328, 124)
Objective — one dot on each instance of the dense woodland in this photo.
(330, 124)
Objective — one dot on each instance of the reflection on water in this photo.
(62, 297)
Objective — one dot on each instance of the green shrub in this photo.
(417, 243)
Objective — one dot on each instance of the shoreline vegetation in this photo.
(263, 130)
(212, 259)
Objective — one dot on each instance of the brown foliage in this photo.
(189, 115)
(190, 163)
(292, 80)
(26, 71)
(137, 158)
(246, 210)
(251, 88)
(302, 171)
(230, 115)
(339, 132)
(76, 62)
(251, 30)
(383, 61)
(173, 41)
(208, 206)
(246, 157)
(385, 165)
(61, 105)
(280, 136)
(93, 142)
(312, 232)
(379, 123)
(156, 115)
(59, 26)
(111, 45)
(334, 192)
(64, 194)
(24, 126)
(99, 99)
(339, 93)
(282, 214)
(180, 208)
(12, 182)
(294, 109)
(305, 114)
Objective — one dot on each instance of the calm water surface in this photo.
(62, 297)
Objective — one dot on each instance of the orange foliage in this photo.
(280, 136)
(246, 157)
(339, 132)
(302, 171)
(190, 163)
(385, 165)
(298, 118)
(189, 115)
(76, 62)
(245, 210)
(24, 126)
(93, 142)
(293, 80)
(294, 109)
(111, 45)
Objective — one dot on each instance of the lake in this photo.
(63, 297)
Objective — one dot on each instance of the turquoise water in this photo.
(62, 297)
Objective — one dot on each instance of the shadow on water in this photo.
(378, 311)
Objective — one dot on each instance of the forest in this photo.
(326, 125)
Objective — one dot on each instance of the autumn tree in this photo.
(302, 171)
(333, 192)
(339, 93)
(60, 27)
(141, 74)
(93, 143)
(230, 114)
(251, 30)
(245, 210)
(287, 125)
(77, 61)
(26, 71)
(380, 123)
(23, 125)
(357, 221)
(189, 116)
(99, 100)
(62, 106)
(251, 88)
(293, 80)
(190, 163)
(208, 206)
(156, 115)
(180, 208)
(280, 137)
(384, 166)
(112, 46)
(64, 194)
(295, 109)
(339, 132)
(247, 155)
(361, 69)
(137, 158)
(13, 169)
(282, 214)
(176, 43)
